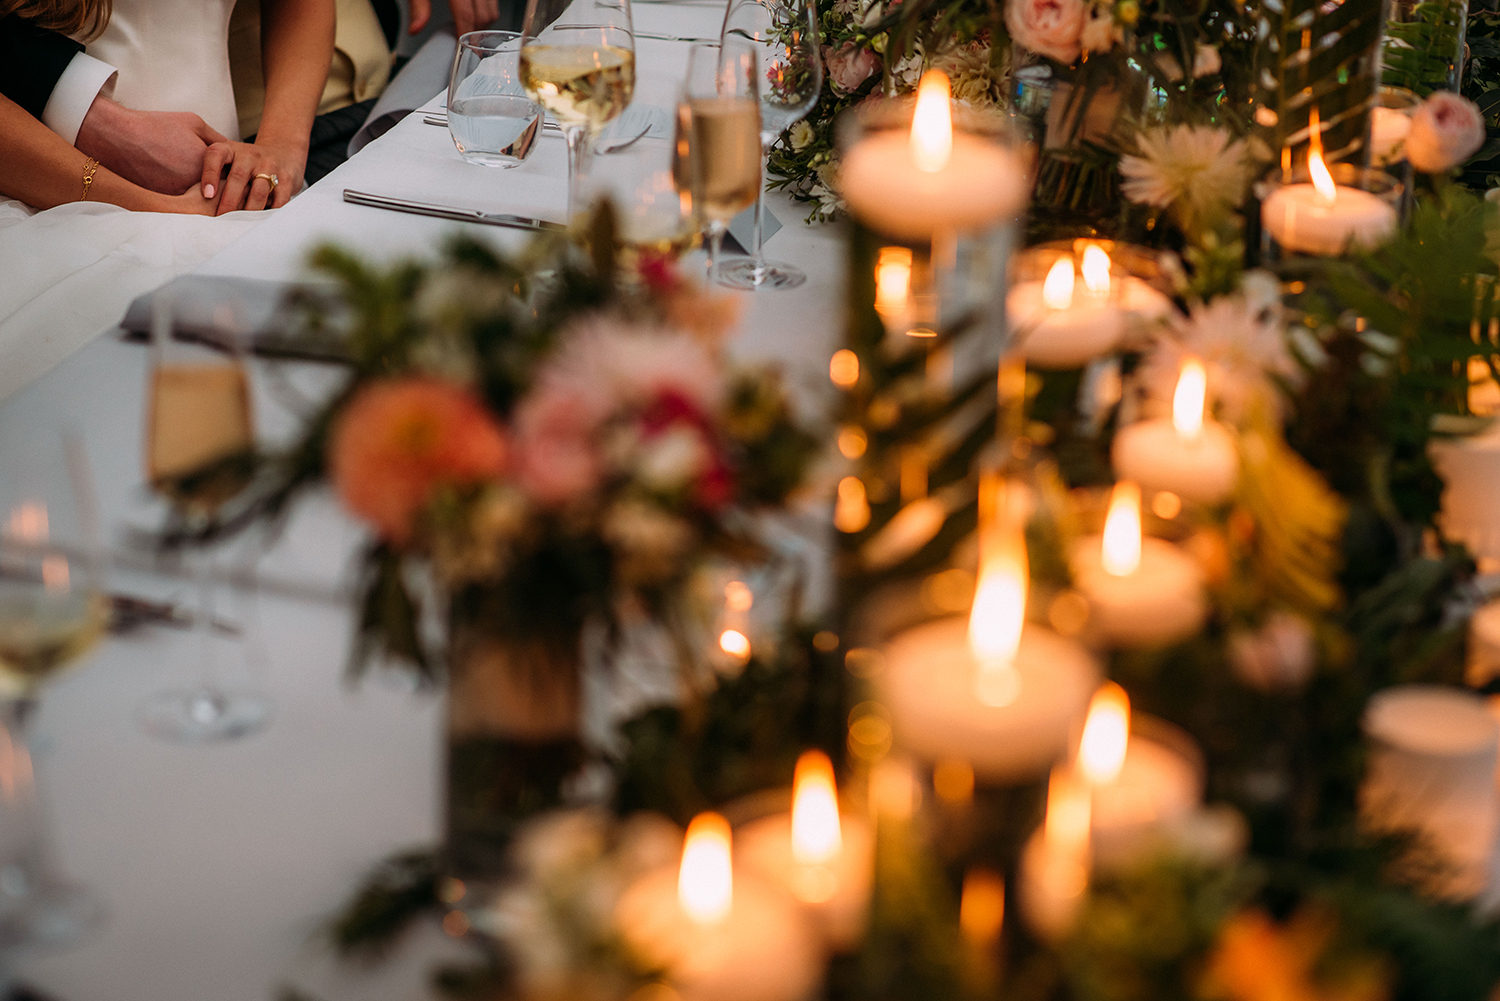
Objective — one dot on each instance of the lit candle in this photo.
(1055, 863)
(734, 625)
(1144, 789)
(1064, 322)
(989, 689)
(1431, 769)
(931, 179)
(981, 918)
(822, 856)
(1470, 470)
(720, 933)
(1324, 217)
(1142, 591)
(1191, 455)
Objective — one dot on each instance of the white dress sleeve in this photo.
(84, 79)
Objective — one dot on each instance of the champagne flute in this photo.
(578, 62)
(52, 611)
(722, 117)
(784, 34)
(199, 434)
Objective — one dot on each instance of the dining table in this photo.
(219, 866)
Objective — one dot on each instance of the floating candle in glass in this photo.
(1327, 215)
(990, 689)
(1142, 592)
(1079, 309)
(1191, 454)
(822, 856)
(719, 933)
(1055, 863)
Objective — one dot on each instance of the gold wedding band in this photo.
(271, 178)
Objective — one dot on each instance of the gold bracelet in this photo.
(89, 166)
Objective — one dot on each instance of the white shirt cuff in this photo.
(84, 79)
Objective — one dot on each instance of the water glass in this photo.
(491, 118)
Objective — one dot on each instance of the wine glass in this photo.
(52, 611)
(784, 34)
(578, 62)
(199, 436)
(722, 116)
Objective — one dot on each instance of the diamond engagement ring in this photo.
(271, 178)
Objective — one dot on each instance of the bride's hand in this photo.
(242, 189)
(190, 202)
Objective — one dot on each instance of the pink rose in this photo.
(554, 459)
(1053, 28)
(849, 66)
(1445, 131)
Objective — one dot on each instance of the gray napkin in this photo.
(419, 81)
(246, 314)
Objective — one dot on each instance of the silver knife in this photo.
(450, 212)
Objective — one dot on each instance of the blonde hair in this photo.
(83, 19)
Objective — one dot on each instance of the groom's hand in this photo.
(468, 15)
(159, 150)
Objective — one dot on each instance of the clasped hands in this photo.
(177, 154)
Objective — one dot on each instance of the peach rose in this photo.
(849, 66)
(1053, 28)
(556, 459)
(1445, 131)
(399, 440)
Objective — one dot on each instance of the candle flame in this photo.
(817, 837)
(1070, 808)
(892, 280)
(1096, 269)
(843, 368)
(851, 513)
(981, 911)
(1122, 530)
(735, 643)
(738, 597)
(1057, 290)
(705, 882)
(998, 613)
(1101, 752)
(1316, 167)
(932, 123)
(1189, 397)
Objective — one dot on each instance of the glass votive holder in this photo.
(1073, 301)
(937, 213)
(1390, 124)
(1304, 214)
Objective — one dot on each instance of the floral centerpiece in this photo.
(539, 446)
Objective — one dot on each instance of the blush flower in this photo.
(849, 66)
(1053, 28)
(398, 441)
(1445, 131)
(556, 455)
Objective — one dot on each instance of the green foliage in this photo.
(395, 893)
(742, 737)
(1424, 47)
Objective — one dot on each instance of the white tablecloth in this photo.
(219, 863)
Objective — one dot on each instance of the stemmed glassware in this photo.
(722, 117)
(785, 36)
(199, 433)
(578, 62)
(52, 611)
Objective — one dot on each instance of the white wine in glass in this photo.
(52, 612)
(578, 62)
(200, 432)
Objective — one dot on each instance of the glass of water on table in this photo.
(490, 117)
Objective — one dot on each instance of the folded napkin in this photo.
(266, 318)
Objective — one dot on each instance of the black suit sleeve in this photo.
(32, 60)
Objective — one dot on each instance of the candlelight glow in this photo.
(1070, 808)
(1096, 270)
(998, 613)
(851, 512)
(981, 911)
(735, 643)
(705, 882)
(843, 368)
(28, 522)
(1101, 752)
(932, 123)
(817, 837)
(1122, 530)
(1057, 290)
(1322, 180)
(738, 597)
(892, 280)
(1188, 399)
